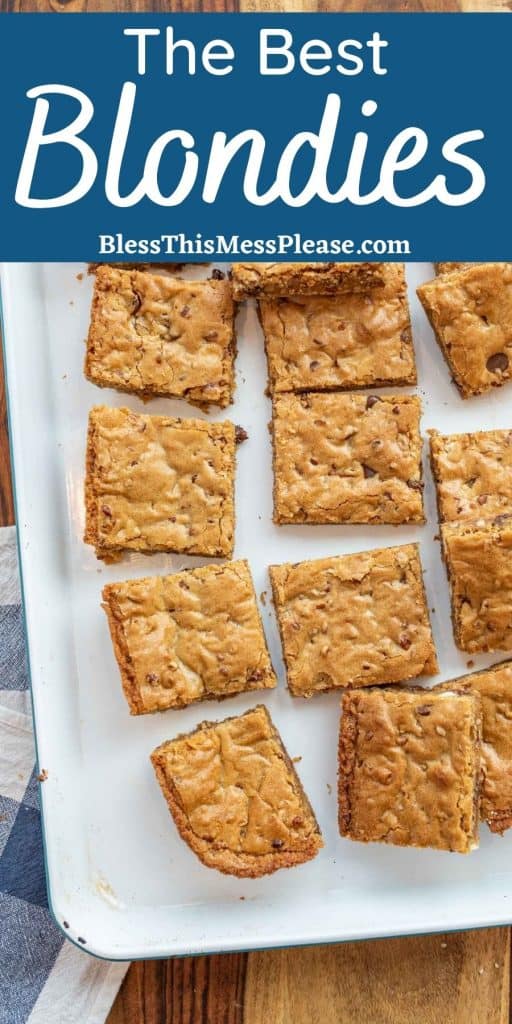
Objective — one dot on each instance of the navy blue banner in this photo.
(253, 136)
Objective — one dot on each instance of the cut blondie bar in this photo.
(356, 340)
(409, 768)
(347, 458)
(471, 314)
(473, 473)
(353, 620)
(236, 798)
(158, 484)
(193, 636)
(157, 335)
(478, 556)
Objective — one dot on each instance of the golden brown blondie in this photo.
(356, 340)
(158, 484)
(152, 334)
(347, 458)
(236, 798)
(478, 556)
(409, 768)
(193, 636)
(470, 311)
(353, 620)
(260, 279)
(473, 473)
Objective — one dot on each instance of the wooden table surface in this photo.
(461, 978)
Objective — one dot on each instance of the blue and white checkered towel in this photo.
(44, 979)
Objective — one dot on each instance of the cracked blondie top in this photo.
(472, 473)
(494, 688)
(478, 556)
(347, 458)
(158, 484)
(303, 278)
(236, 798)
(152, 334)
(353, 620)
(470, 311)
(356, 340)
(409, 768)
(193, 636)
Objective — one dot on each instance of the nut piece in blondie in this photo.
(353, 620)
(347, 458)
(356, 340)
(193, 636)
(494, 687)
(473, 473)
(478, 556)
(158, 484)
(236, 798)
(152, 334)
(304, 278)
(470, 311)
(409, 768)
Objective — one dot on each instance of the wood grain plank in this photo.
(193, 990)
(116, 6)
(459, 978)
(393, 6)
(334, 6)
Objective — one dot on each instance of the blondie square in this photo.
(152, 334)
(473, 473)
(353, 620)
(356, 340)
(470, 311)
(158, 484)
(494, 687)
(409, 768)
(303, 278)
(193, 636)
(347, 458)
(478, 556)
(236, 798)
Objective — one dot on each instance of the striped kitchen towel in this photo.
(44, 979)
